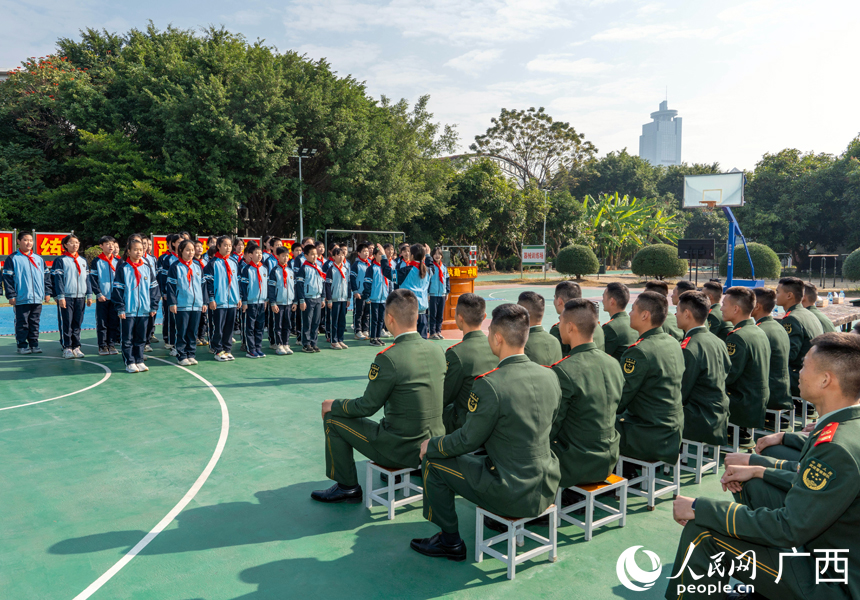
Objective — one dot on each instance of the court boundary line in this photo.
(107, 369)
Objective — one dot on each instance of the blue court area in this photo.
(49, 319)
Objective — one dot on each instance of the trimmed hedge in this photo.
(765, 261)
(658, 260)
(576, 260)
(851, 266)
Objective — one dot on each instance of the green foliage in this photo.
(658, 260)
(765, 261)
(576, 260)
(851, 266)
(91, 253)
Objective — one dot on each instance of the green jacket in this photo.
(405, 382)
(619, 335)
(748, 380)
(670, 326)
(466, 360)
(779, 382)
(541, 347)
(511, 412)
(716, 325)
(801, 327)
(703, 388)
(584, 436)
(565, 349)
(826, 324)
(821, 510)
(650, 414)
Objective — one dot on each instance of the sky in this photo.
(747, 76)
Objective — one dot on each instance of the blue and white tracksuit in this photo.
(271, 262)
(377, 282)
(136, 300)
(28, 281)
(71, 282)
(189, 296)
(168, 326)
(101, 282)
(409, 278)
(282, 293)
(360, 309)
(437, 292)
(336, 292)
(254, 288)
(222, 287)
(309, 290)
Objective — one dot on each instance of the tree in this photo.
(765, 262)
(660, 261)
(576, 260)
(851, 266)
(565, 223)
(619, 172)
(530, 146)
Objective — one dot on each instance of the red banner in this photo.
(47, 245)
(159, 245)
(7, 242)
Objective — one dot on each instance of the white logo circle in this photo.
(627, 565)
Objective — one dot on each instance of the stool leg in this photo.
(793, 425)
(553, 535)
(619, 470)
(520, 538)
(677, 479)
(622, 506)
(479, 536)
(589, 515)
(777, 421)
(512, 552)
(391, 496)
(368, 487)
(558, 508)
(700, 458)
(651, 483)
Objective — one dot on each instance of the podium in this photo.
(462, 282)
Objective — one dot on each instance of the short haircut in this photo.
(361, 247)
(131, 241)
(68, 239)
(305, 241)
(184, 234)
(308, 248)
(583, 314)
(222, 239)
(568, 290)
(840, 352)
(374, 251)
(714, 291)
(296, 245)
(697, 303)
(656, 304)
(766, 298)
(23, 234)
(532, 302)
(685, 286)
(793, 285)
(251, 247)
(618, 292)
(810, 292)
(171, 238)
(511, 321)
(336, 251)
(743, 297)
(106, 239)
(237, 240)
(386, 246)
(183, 244)
(402, 305)
(472, 308)
(402, 246)
(320, 244)
(661, 287)
(281, 250)
(198, 242)
(212, 238)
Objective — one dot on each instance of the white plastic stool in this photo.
(804, 411)
(514, 538)
(777, 419)
(386, 495)
(613, 482)
(703, 464)
(654, 487)
(735, 436)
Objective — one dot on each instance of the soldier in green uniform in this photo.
(564, 293)
(617, 331)
(796, 520)
(810, 297)
(405, 381)
(800, 325)
(670, 325)
(716, 324)
(706, 360)
(650, 415)
(747, 383)
(584, 437)
(541, 347)
(778, 380)
(466, 360)
(511, 412)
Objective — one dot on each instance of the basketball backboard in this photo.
(723, 189)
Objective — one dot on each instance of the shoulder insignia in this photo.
(827, 434)
(629, 365)
(485, 374)
(817, 475)
(609, 321)
(731, 348)
(684, 343)
(455, 345)
(787, 327)
(374, 372)
(634, 343)
(386, 350)
(786, 314)
(733, 330)
(473, 402)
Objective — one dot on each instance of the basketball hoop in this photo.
(709, 205)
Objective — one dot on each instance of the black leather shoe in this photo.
(494, 525)
(337, 494)
(384, 477)
(434, 547)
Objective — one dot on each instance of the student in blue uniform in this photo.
(222, 287)
(135, 298)
(149, 259)
(414, 275)
(294, 263)
(360, 311)
(309, 293)
(165, 261)
(376, 289)
(336, 296)
(254, 289)
(282, 300)
(187, 299)
(201, 258)
(102, 270)
(270, 261)
(71, 287)
(440, 287)
(28, 283)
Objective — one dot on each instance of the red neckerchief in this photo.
(74, 258)
(380, 270)
(339, 270)
(173, 254)
(285, 269)
(30, 258)
(108, 261)
(259, 277)
(136, 272)
(439, 268)
(188, 265)
(199, 262)
(226, 266)
(314, 267)
(414, 263)
(366, 262)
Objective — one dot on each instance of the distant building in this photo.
(660, 142)
(4, 75)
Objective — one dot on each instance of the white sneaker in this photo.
(24, 351)
(36, 350)
(221, 357)
(112, 350)
(104, 351)
(67, 353)
(184, 363)
(174, 352)
(230, 356)
(132, 368)
(193, 361)
(279, 350)
(78, 353)
(168, 346)
(142, 367)
(385, 333)
(147, 348)
(359, 335)
(287, 350)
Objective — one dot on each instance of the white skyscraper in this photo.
(660, 142)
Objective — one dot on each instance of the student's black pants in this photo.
(69, 320)
(187, 322)
(255, 320)
(221, 337)
(168, 325)
(360, 315)
(437, 310)
(324, 317)
(203, 328)
(377, 319)
(281, 325)
(422, 324)
(311, 321)
(337, 321)
(107, 324)
(27, 317)
(133, 339)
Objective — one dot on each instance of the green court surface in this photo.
(219, 461)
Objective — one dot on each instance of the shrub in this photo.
(92, 252)
(576, 260)
(658, 260)
(765, 261)
(851, 266)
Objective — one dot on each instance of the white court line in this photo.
(105, 378)
(219, 448)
